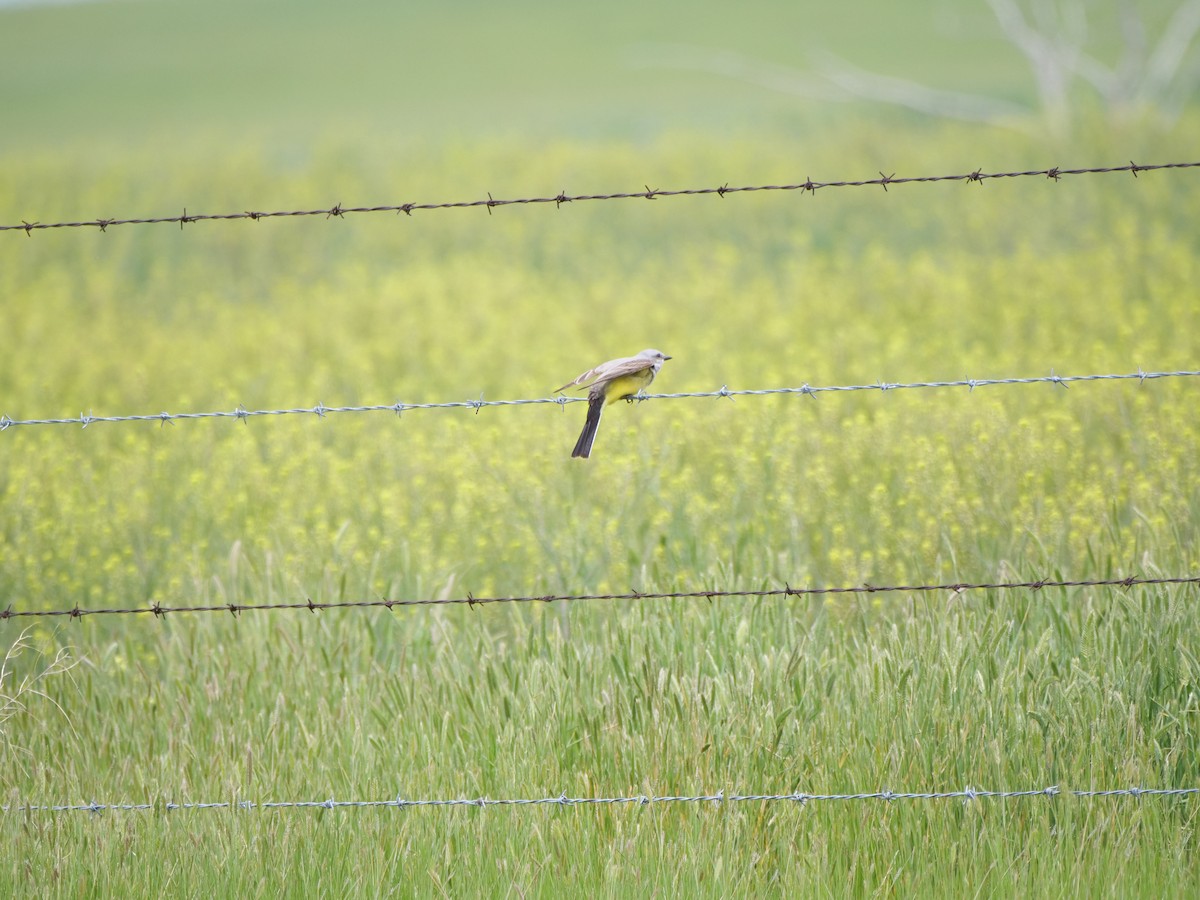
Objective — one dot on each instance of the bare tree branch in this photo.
(1163, 65)
(1050, 34)
(910, 94)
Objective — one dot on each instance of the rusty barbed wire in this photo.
(338, 211)
(321, 410)
(966, 795)
(158, 610)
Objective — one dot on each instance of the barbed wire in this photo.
(398, 408)
(967, 795)
(158, 610)
(338, 211)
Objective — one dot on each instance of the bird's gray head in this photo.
(656, 355)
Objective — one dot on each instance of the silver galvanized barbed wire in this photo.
(340, 211)
(158, 610)
(967, 795)
(320, 410)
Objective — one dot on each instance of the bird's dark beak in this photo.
(665, 357)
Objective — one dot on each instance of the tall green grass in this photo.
(1080, 689)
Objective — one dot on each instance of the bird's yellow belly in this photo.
(627, 385)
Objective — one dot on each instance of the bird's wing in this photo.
(619, 368)
(583, 380)
(607, 371)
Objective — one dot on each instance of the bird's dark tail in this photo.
(583, 446)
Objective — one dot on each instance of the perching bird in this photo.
(617, 379)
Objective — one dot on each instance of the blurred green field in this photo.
(301, 68)
(1085, 689)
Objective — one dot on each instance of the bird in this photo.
(617, 379)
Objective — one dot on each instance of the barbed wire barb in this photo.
(340, 211)
(8, 423)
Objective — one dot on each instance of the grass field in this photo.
(1083, 688)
